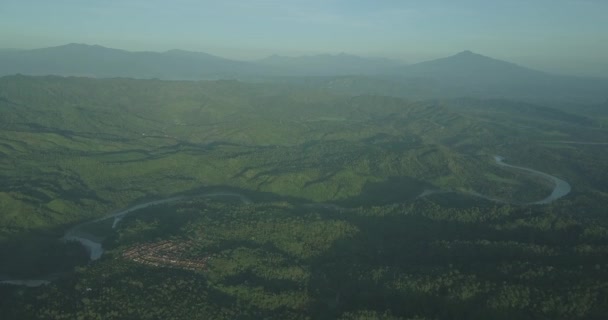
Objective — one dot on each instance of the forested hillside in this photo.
(296, 201)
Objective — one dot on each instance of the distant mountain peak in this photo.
(471, 59)
(191, 54)
(466, 53)
(474, 68)
(75, 44)
(181, 52)
(80, 45)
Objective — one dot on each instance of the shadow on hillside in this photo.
(409, 263)
(40, 252)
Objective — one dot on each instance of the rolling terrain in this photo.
(358, 202)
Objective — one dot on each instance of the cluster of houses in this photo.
(165, 254)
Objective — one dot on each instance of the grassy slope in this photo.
(75, 148)
(71, 148)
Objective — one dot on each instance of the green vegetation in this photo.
(363, 206)
(277, 260)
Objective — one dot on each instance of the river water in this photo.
(95, 248)
(561, 188)
(93, 244)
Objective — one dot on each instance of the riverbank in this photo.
(94, 246)
(561, 188)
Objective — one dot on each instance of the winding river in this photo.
(94, 245)
(561, 188)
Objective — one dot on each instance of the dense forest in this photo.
(296, 201)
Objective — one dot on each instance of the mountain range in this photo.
(97, 61)
(463, 74)
(329, 65)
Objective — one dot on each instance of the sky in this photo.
(567, 36)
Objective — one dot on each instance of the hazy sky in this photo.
(568, 35)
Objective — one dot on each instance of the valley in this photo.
(276, 198)
(303, 160)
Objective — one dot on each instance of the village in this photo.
(166, 253)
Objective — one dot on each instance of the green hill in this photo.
(358, 202)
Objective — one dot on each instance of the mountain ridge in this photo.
(344, 63)
(330, 64)
(78, 59)
(465, 74)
